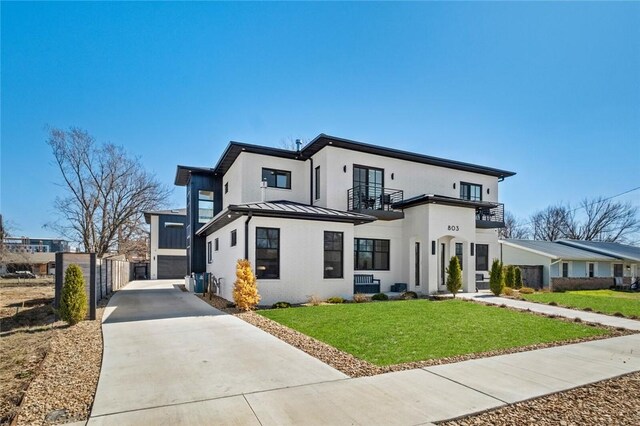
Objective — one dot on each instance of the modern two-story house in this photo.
(167, 243)
(311, 220)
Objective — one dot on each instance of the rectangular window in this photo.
(370, 254)
(277, 178)
(368, 187)
(592, 270)
(209, 252)
(217, 244)
(234, 238)
(470, 191)
(317, 187)
(226, 187)
(267, 253)
(459, 253)
(333, 254)
(617, 269)
(205, 206)
(565, 269)
(482, 257)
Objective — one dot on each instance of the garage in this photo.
(170, 267)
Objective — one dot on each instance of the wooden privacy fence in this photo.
(102, 276)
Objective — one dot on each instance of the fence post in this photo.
(92, 286)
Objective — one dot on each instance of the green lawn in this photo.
(386, 333)
(607, 301)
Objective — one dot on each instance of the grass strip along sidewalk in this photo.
(389, 333)
(605, 301)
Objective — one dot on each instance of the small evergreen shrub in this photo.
(379, 296)
(73, 300)
(360, 298)
(409, 295)
(281, 305)
(245, 290)
(518, 278)
(526, 290)
(496, 277)
(454, 276)
(335, 300)
(509, 276)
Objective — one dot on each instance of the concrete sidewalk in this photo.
(209, 368)
(608, 320)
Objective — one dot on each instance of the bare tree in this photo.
(106, 190)
(605, 220)
(551, 223)
(513, 228)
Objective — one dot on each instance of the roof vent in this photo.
(298, 144)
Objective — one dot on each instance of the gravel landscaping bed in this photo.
(355, 367)
(63, 388)
(610, 402)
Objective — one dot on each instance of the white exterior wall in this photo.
(516, 256)
(413, 178)
(223, 263)
(155, 251)
(245, 175)
(489, 237)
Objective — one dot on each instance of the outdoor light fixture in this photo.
(454, 185)
(392, 176)
(344, 168)
(488, 191)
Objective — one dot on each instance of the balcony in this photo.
(490, 217)
(375, 200)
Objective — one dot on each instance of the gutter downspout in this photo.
(246, 235)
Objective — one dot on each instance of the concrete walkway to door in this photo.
(170, 358)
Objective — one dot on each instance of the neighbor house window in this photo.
(209, 252)
(205, 206)
(470, 191)
(333, 250)
(277, 178)
(617, 269)
(370, 254)
(217, 244)
(317, 187)
(565, 269)
(482, 257)
(459, 253)
(267, 253)
(592, 270)
(234, 238)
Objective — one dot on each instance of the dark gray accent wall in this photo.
(196, 245)
(172, 237)
(170, 267)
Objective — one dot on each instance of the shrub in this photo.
(245, 290)
(509, 276)
(360, 298)
(314, 300)
(73, 300)
(526, 290)
(454, 276)
(335, 300)
(281, 305)
(409, 295)
(496, 278)
(379, 296)
(518, 278)
(507, 291)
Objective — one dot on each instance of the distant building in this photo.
(35, 245)
(168, 243)
(31, 254)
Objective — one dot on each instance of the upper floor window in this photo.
(317, 187)
(470, 191)
(234, 238)
(205, 206)
(277, 178)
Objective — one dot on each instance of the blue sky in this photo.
(549, 90)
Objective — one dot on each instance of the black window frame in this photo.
(216, 242)
(209, 252)
(374, 251)
(563, 273)
(260, 260)
(226, 187)
(234, 238)
(276, 173)
(207, 200)
(467, 196)
(482, 257)
(591, 270)
(459, 255)
(317, 183)
(331, 272)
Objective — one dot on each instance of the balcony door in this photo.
(368, 184)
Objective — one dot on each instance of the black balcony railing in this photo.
(490, 217)
(373, 197)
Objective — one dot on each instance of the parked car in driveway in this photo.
(20, 274)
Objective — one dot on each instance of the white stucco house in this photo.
(316, 220)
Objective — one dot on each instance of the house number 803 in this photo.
(454, 228)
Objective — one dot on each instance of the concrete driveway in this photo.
(164, 347)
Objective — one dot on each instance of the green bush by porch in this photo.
(607, 301)
(413, 330)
